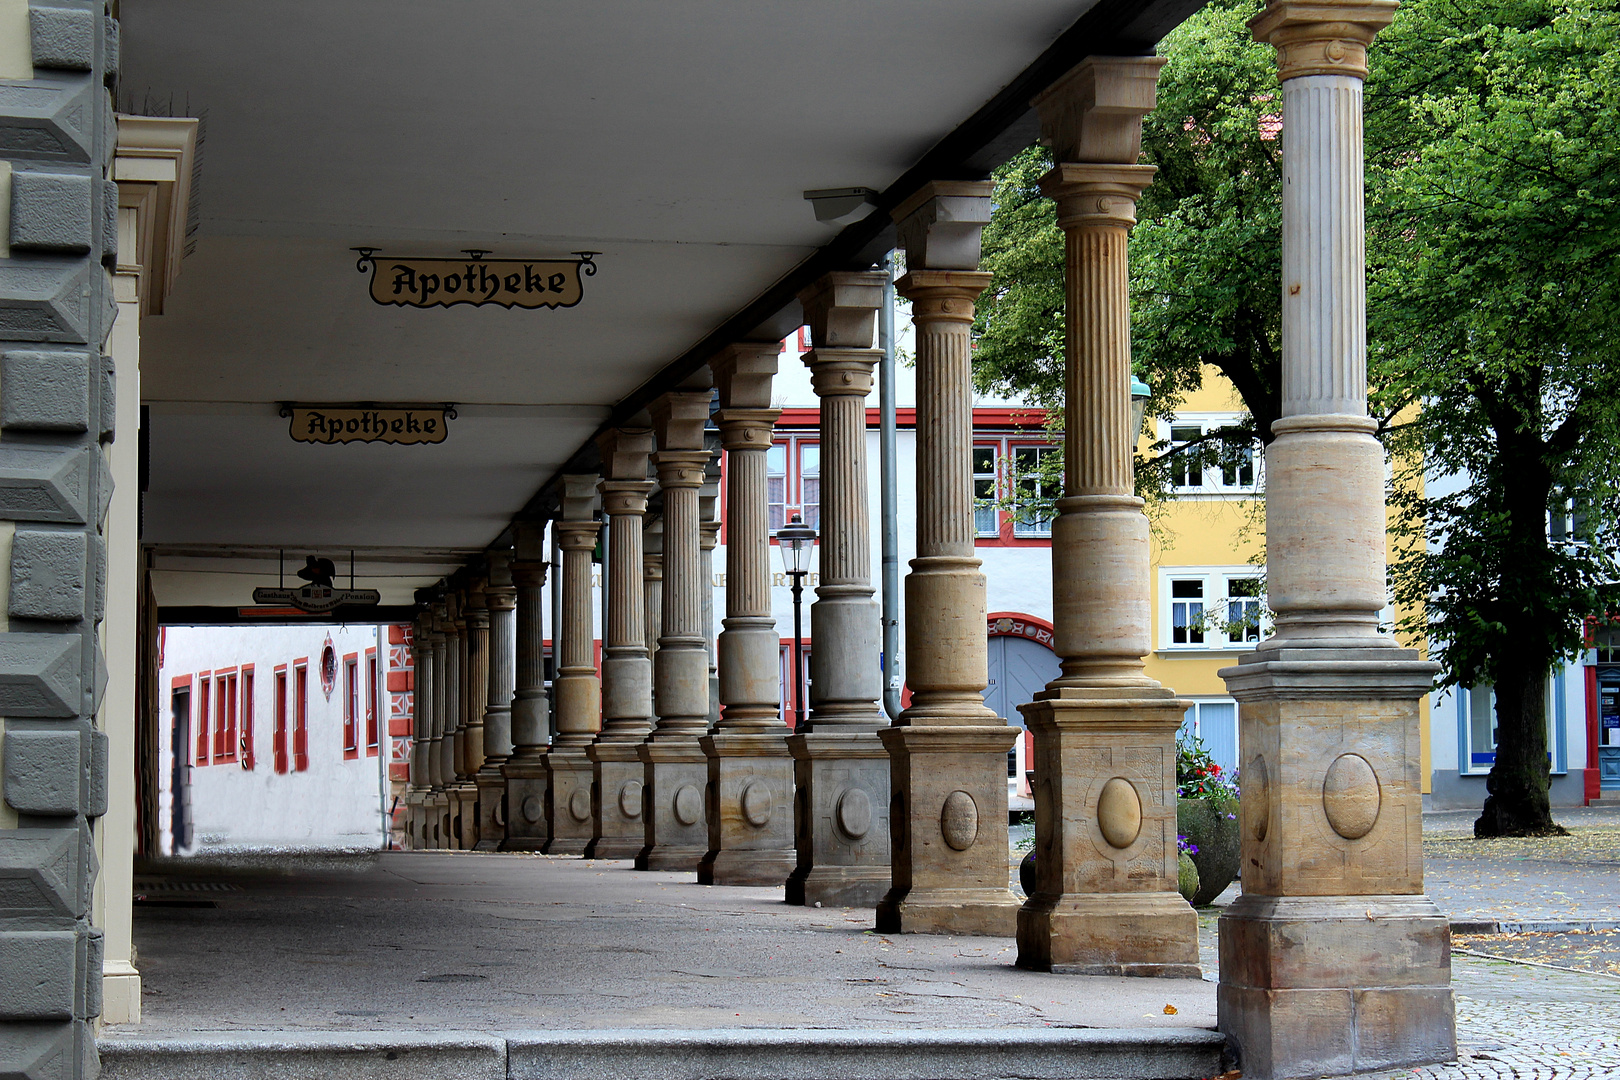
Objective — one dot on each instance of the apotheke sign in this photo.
(346, 424)
(475, 280)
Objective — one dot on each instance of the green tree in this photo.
(1495, 241)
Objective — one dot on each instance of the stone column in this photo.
(500, 597)
(417, 812)
(619, 831)
(475, 695)
(948, 751)
(675, 770)
(1333, 960)
(708, 540)
(841, 770)
(750, 809)
(1105, 901)
(454, 746)
(652, 580)
(578, 690)
(525, 770)
(439, 802)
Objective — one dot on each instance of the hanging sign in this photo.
(475, 280)
(349, 423)
(320, 595)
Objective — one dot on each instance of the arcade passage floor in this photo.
(423, 940)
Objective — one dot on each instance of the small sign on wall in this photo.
(346, 424)
(475, 280)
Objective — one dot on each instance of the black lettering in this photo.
(411, 424)
(532, 282)
(452, 283)
(557, 281)
(397, 426)
(429, 425)
(404, 279)
(513, 281)
(317, 422)
(430, 285)
(353, 425)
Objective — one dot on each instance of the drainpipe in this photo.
(889, 497)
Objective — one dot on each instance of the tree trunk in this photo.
(1518, 803)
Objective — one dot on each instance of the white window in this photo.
(793, 481)
(776, 485)
(1213, 468)
(986, 514)
(1216, 724)
(1033, 491)
(1476, 719)
(1204, 607)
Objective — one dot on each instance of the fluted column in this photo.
(675, 772)
(577, 688)
(619, 831)
(454, 746)
(420, 828)
(841, 771)
(500, 598)
(1333, 960)
(948, 751)
(652, 579)
(475, 696)
(708, 540)
(525, 770)
(440, 802)
(750, 770)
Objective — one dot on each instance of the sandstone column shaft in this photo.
(524, 771)
(500, 598)
(578, 691)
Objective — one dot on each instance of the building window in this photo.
(1035, 491)
(351, 707)
(300, 740)
(278, 736)
(245, 747)
(1243, 609)
(1606, 644)
(986, 513)
(1215, 723)
(1476, 707)
(1216, 468)
(1187, 611)
(371, 703)
(205, 703)
(1211, 608)
(793, 481)
(228, 751)
(1186, 469)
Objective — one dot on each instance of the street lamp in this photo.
(796, 541)
(1140, 392)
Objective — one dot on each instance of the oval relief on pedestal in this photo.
(688, 805)
(1256, 801)
(756, 805)
(1351, 796)
(579, 805)
(532, 808)
(630, 799)
(959, 820)
(854, 813)
(1119, 813)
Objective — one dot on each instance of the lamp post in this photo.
(796, 541)
(1140, 392)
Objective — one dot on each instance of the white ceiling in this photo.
(676, 138)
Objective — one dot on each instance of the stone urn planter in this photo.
(1212, 826)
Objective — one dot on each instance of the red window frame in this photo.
(1007, 447)
(793, 447)
(278, 736)
(204, 700)
(351, 706)
(245, 747)
(300, 739)
(372, 715)
(226, 750)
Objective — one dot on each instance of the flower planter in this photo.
(1212, 826)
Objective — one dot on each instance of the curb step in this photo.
(1532, 926)
(716, 1054)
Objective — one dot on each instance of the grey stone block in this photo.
(49, 118)
(109, 399)
(45, 299)
(63, 37)
(39, 676)
(38, 972)
(48, 571)
(41, 875)
(95, 802)
(93, 943)
(98, 573)
(297, 1055)
(51, 211)
(45, 1051)
(43, 771)
(104, 489)
(45, 391)
(110, 52)
(45, 484)
(109, 223)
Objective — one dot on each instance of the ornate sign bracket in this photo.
(475, 280)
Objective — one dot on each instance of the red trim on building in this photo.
(1017, 624)
(1017, 419)
(204, 698)
(371, 702)
(1594, 776)
(278, 733)
(246, 745)
(300, 739)
(351, 706)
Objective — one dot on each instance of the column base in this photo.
(676, 774)
(491, 807)
(1325, 985)
(750, 811)
(619, 831)
(1138, 934)
(526, 789)
(1105, 900)
(466, 814)
(569, 810)
(438, 823)
(840, 819)
(951, 862)
(415, 819)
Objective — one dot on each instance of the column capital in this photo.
(943, 295)
(841, 308)
(624, 452)
(500, 568)
(841, 372)
(1322, 37)
(529, 573)
(577, 535)
(1094, 113)
(579, 496)
(746, 429)
(1096, 194)
(501, 597)
(681, 468)
(743, 372)
(940, 225)
(625, 496)
(679, 418)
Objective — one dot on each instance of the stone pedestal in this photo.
(501, 599)
(568, 800)
(525, 771)
(750, 772)
(619, 775)
(844, 769)
(675, 771)
(841, 819)
(578, 690)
